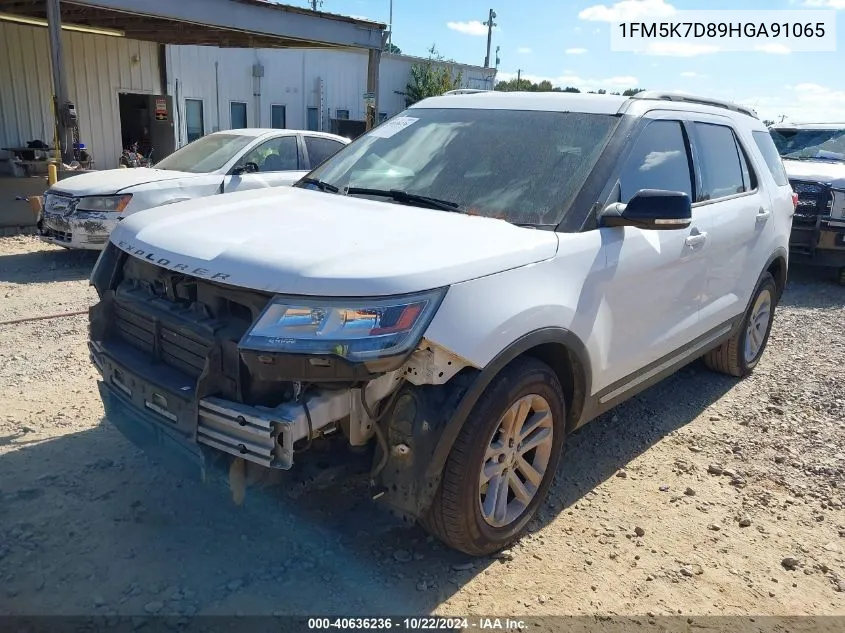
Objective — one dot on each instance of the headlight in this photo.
(113, 204)
(355, 329)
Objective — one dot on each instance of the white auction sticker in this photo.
(395, 125)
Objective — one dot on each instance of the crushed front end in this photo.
(197, 372)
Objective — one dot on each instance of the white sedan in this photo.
(81, 211)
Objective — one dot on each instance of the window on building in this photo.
(313, 122)
(277, 154)
(721, 168)
(343, 115)
(278, 116)
(660, 160)
(194, 124)
(237, 115)
(382, 117)
(319, 149)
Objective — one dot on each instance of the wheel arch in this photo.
(559, 348)
(777, 266)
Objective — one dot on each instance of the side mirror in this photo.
(246, 168)
(653, 209)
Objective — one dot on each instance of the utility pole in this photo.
(390, 26)
(518, 75)
(489, 24)
(498, 61)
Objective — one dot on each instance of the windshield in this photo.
(206, 154)
(521, 166)
(806, 144)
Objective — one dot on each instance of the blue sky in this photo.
(568, 42)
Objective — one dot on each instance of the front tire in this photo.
(739, 355)
(503, 461)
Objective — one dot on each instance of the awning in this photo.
(225, 23)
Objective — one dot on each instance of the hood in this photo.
(816, 170)
(111, 181)
(296, 241)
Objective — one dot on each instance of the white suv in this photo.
(458, 290)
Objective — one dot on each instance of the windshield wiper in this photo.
(407, 197)
(322, 186)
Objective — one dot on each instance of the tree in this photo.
(392, 48)
(431, 78)
(768, 122)
(526, 85)
(630, 92)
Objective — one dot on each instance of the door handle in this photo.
(694, 241)
(763, 214)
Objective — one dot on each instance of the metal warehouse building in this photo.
(168, 82)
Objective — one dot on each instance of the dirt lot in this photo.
(703, 495)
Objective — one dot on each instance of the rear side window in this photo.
(659, 161)
(770, 154)
(319, 149)
(721, 163)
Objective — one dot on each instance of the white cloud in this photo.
(617, 84)
(523, 51)
(773, 49)
(805, 102)
(628, 11)
(473, 27)
(679, 49)
(575, 51)
(827, 4)
(689, 73)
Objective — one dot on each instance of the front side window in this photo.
(659, 160)
(521, 166)
(721, 168)
(798, 144)
(277, 154)
(206, 154)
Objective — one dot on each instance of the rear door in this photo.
(278, 163)
(738, 211)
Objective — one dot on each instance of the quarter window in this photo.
(660, 160)
(770, 154)
(721, 167)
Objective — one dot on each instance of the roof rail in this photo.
(686, 98)
(465, 91)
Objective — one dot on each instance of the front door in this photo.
(655, 278)
(273, 163)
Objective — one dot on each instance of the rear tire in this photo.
(505, 437)
(739, 355)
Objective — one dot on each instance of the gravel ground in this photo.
(703, 495)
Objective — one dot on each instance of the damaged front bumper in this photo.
(165, 404)
(88, 230)
(819, 242)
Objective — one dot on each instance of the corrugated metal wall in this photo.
(291, 78)
(98, 67)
